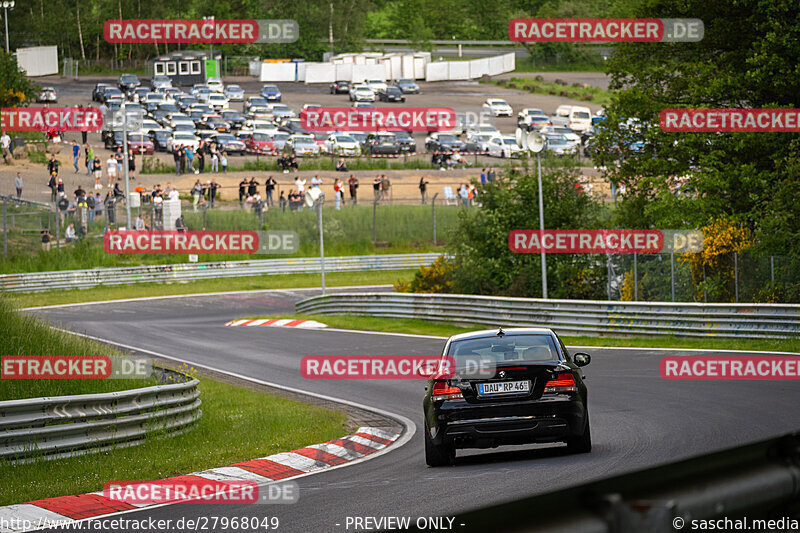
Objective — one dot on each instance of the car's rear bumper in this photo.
(550, 419)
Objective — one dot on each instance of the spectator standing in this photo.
(174, 194)
(176, 156)
(45, 239)
(376, 188)
(214, 161)
(301, 185)
(224, 161)
(18, 185)
(53, 184)
(111, 170)
(52, 165)
(197, 193)
(184, 159)
(464, 194)
(60, 187)
(76, 153)
(119, 157)
(242, 191)
(110, 203)
(98, 206)
(89, 156)
(423, 188)
(212, 192)
(386, 186)
(483, 175)
(270, 183)
(97, 168)
(5, 143)
(491, 175)
(190, 160)
(338, 189)
(132, 164)
(282, 202)
(201, 156)
(353, 185)
(252, 187)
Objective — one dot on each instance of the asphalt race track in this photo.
(638, 419)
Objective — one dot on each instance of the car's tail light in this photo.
(563, 383)
(443, 391)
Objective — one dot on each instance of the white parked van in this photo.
(580, 118)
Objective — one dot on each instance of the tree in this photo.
(15, 88)
(749, 57)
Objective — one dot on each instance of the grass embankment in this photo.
(400, 229)
(237, 425)
(444, 329)
(576, 91)
(143, 290)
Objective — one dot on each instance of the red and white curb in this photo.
(277, 322)
(281, 466)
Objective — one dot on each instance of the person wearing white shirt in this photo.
(301, 185)
(111, 170)
(69, 234)
(140, 226)
(5, 142)
(174, 194)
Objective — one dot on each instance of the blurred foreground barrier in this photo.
(81, 279)
(571, 317)
(62, 426)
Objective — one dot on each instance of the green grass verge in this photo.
(261, 423)
(237, 425)
(27, 335)
(444, 329)
(142, 290)
(538, 85)
(400, 229)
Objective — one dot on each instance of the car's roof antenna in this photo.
(500, 331)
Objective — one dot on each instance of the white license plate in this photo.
(503, 387)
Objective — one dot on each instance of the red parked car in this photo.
(140, 143)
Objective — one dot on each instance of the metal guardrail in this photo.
(571, 317)
(80, 279)
(753, 484)
(62, 426)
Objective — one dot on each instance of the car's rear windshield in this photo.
(509, 348)
(580, 114)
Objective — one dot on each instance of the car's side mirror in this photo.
(582, 359)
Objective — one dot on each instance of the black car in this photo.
(535, 394)
(128, 82)
(97, 92)
(234, 118)
(292, 126)
(160, 138)
(111, 93)
(447, 142)
(407, 143)
(215, 124)
(340, 87)
(383, 142)
(391, 94)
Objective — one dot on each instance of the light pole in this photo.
(535, 142)
(125, 165)
(7, 4)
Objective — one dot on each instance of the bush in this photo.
(539, 78)
(565, 94)
(436, 278)
(511, 85)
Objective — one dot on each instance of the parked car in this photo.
(234, 93)
(111, 93)
(140, 143)
(523, 115)
(97, 92)
(233, 117)
(562, 130)
(160, 137)
(215, 84)
(391, 94)
(138, 94)
(112, 139)
(407, 142)
(362, 93)
(47, 95)
(580, 118)
(128, 82)
(383, 142)
(281, 111)
(218, 124)
(185, 102)
(376, 85)
(183, 138)
(559, 145)
(340, 87)
(160, 80)
(218, 101)
(443, 142)
(407, 85)
(260, 142)
(271, 93)
(478, 142)
(302, 145)
(229, 143)
(342, 144)
(498, 107)
(255, 101)
(363, 104)
(504, 146)
(203, 95)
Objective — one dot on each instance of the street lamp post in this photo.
(7, 4)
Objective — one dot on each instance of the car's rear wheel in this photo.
(582, 443)
(437, 455)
